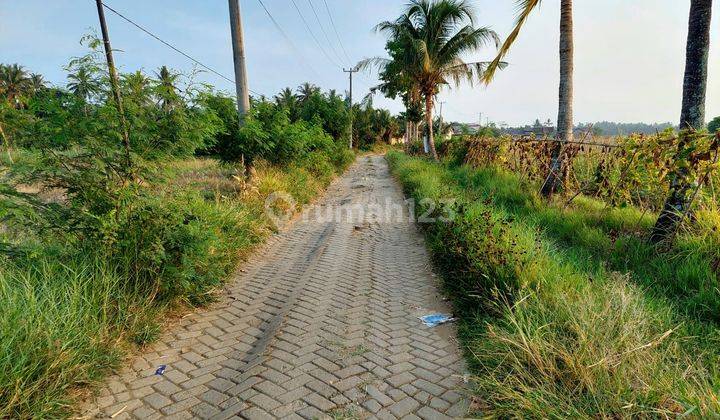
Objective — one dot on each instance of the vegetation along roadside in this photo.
(565, 311)
(96, 247)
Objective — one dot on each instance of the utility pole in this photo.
(351, 71)
(114, 81)
(441, 119)
(241, 83)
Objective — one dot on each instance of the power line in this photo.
(307, 26)
(174, 48)
(287, 38)
(322, 29)
(337, 34)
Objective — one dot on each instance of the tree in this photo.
(166, 88)
(286, 98)
(565, 102)
(434, 35)
(137, 88)
(714, 125)
(84, 83)
(306, 91)
(14, 84)
(397, 81)
(36, 83)
(692, 118)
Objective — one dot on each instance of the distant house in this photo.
(539, 131)
(531, 130)
(460, 128)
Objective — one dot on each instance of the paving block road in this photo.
(322, 322)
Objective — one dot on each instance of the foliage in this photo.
(564, 311)
(631, 170)
(608, 128)
(293, 126)
(714, 125)
(110, 241)
(268, 133)
(373, 126)
(426, 45)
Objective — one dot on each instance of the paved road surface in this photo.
(321, 322)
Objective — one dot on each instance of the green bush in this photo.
(167, 243)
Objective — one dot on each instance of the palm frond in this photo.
(468, 39)
(371, 63)
(525, 8)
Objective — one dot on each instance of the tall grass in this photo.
(68, 316)
(565, 312)
(62, 324)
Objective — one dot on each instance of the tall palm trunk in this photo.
(692, 117)
(565, 107)
(428, 121)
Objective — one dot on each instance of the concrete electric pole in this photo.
(241, 83)
(441, 119)
(351, 71)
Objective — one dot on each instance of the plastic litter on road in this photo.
(433, 320)
(161, 370)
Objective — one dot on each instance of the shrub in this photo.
(169, 244)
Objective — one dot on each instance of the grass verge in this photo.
(67, 317)
(565, 311)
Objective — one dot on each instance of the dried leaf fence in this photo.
(632, 170)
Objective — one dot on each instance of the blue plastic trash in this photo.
(433, 320)
(160, 370)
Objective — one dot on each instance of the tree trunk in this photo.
(565, 106)
(428, 119)
(692, 117)
(6, 142)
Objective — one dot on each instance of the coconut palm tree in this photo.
(84, 83)
(306, 91)
(692, 116)
(137, 87)
(565, 103)
(397, 81)
(286, 98)
(37, 82)
(14, 84)
(433, 36)
(166, 88)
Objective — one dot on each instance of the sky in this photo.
(629, 54)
